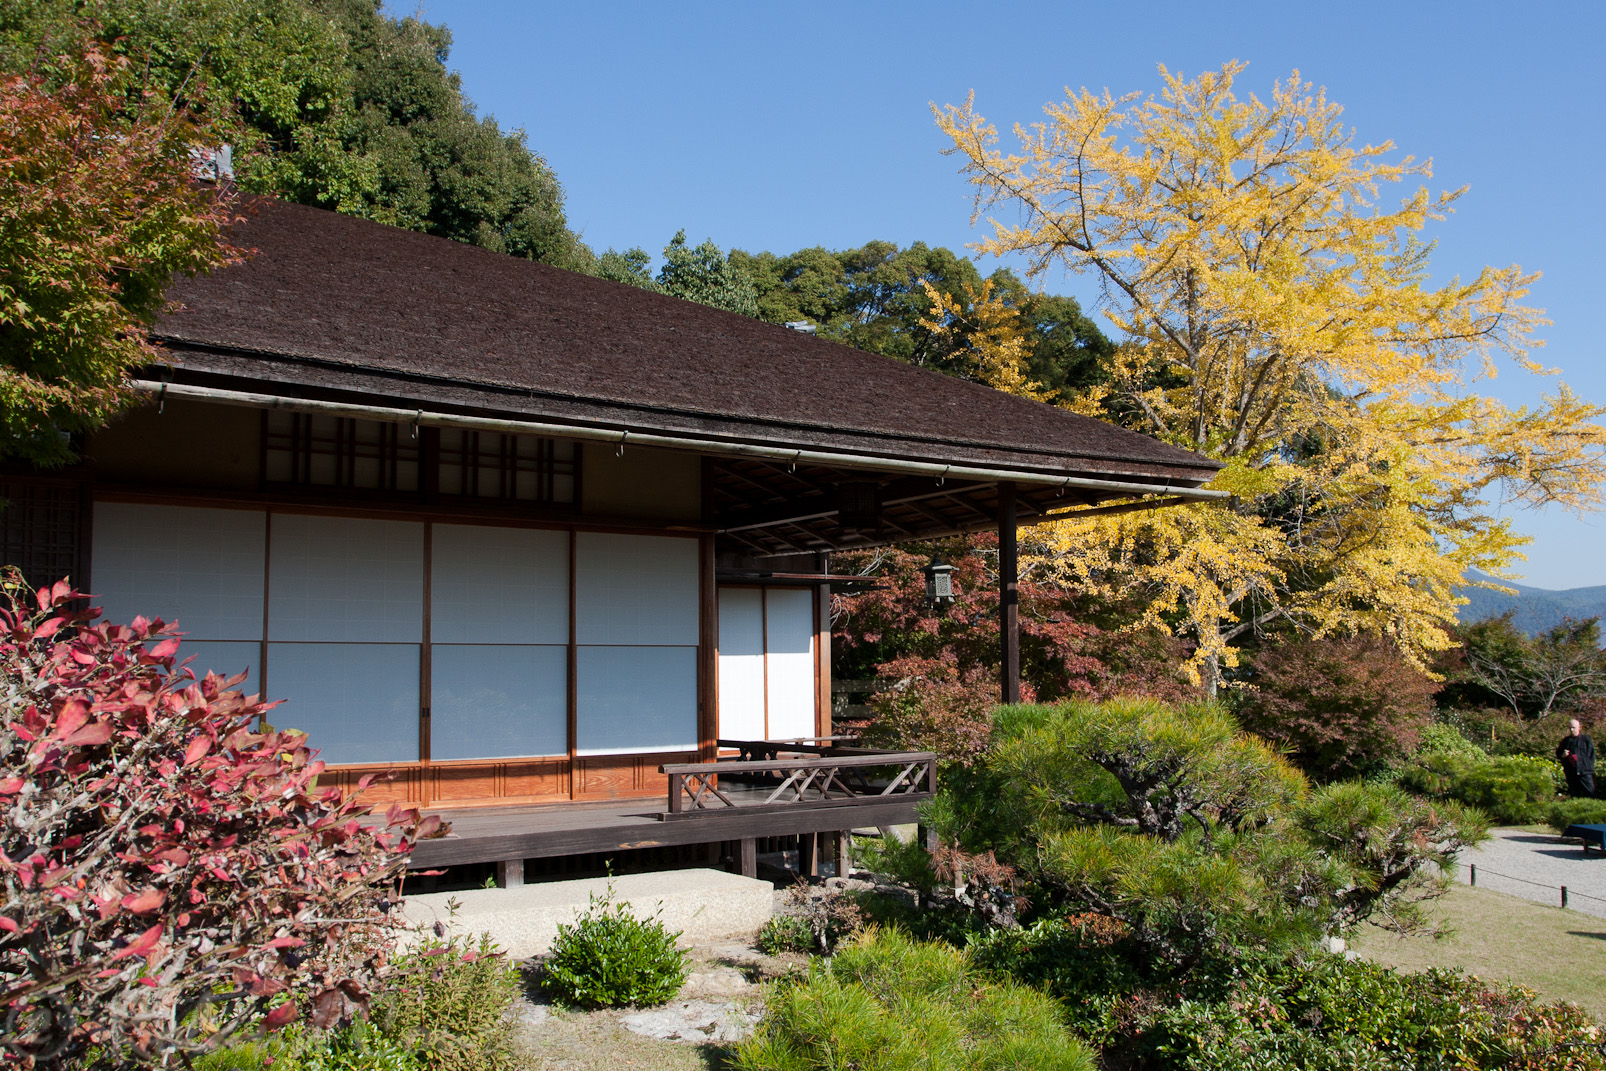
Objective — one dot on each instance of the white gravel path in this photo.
(1534, 866)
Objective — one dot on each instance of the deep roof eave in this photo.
(1189, 488)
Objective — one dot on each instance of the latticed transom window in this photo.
(312, 450)
(521, 468)
(42, 526)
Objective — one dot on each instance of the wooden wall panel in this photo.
(513, 781)
(483, 784)
(601, 777)
(406, 787)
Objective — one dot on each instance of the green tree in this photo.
(336, 104)
(704, 274)
(1197, 836)
(875, 298)
(632, 267)
(98, 209)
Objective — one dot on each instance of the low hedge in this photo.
(1511, 789)
(1324, 1013)
(1575, 812)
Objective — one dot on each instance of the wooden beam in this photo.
(971, 506)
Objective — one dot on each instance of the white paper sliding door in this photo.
(768, 680)
(741, 664)
(636, 611)
(199, 569)
(499, 635)
(357, 702)
(345, 626)
(789, 658)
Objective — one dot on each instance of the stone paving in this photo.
(1535, 866)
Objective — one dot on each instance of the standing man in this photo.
(1576, 753)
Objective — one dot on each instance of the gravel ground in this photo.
(1534, 866)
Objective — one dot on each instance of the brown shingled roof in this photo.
(330, 304)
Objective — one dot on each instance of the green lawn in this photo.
(1560, 954)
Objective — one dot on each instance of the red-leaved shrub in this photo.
(168, 874)
(938, 668)
(1339, 705)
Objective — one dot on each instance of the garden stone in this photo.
(717, 982)
(531, 1014)
(696, 1021)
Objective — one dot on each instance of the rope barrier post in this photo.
(1474, 868)
(1564, 896)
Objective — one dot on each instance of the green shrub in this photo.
(359, 1047)
(1512, 789)
(1086, 962)
(1327, 1014)
(892, 1003)
(444, 1007)
(608, 957)
(1564, 813)
(785, 933)
(1439, 738)
(247, 1056)
(449, 1003)
(905, 861)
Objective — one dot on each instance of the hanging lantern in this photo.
(939, 582)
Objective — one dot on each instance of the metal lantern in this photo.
(939, 582)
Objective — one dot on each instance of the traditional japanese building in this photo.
(527, 537)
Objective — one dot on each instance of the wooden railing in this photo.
(826, 775)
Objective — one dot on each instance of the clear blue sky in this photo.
(785, 126)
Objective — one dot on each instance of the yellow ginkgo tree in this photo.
(1277, 313)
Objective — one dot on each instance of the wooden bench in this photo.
(1591, 834)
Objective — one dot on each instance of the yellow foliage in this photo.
(1278, 315)
(995, 347)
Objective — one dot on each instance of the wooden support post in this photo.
(844, 853)
(510, 873)
(1008, 595)
(927, 837)
(808, 856)
(747, 852)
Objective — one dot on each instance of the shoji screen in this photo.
(789, 658)
(767, 682)
(741, 664)
(345, 623)
(636, 626)
(199, 568)
(499, 636)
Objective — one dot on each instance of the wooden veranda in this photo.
(764, 788)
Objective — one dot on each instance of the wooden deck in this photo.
(768, 797)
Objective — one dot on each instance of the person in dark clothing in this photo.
(1576, 753)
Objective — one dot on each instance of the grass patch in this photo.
(1559, 954)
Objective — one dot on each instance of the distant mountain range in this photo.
(1537, 608)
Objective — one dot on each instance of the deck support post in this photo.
(747, 853)
(1008, 595)
(509, 873)
(844, 853)
(808, 856)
